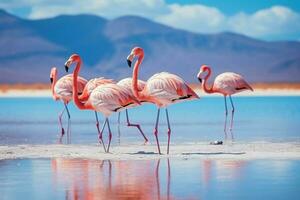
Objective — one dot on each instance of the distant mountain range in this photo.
(29, 48)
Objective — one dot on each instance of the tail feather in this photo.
(191, 92)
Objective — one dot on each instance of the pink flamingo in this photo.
(162, 89)
(126, 83)
(62, 90)
(106, 98)
(227, 83)
(89, 87)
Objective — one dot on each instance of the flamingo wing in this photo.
(126, 83)
(64, 87)
(169, 87)
(91, 85)
(110, 97)
(230, 83)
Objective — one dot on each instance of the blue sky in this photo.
(231, 7)
(263, 19)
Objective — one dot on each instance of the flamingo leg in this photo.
(156, 131)
(69, 128)
(119, 117)
(226, 114)
(169, 130)
(109, 136)
(98, 129)
(100, 136)
(119, 135)
(137, 126)
(232, 115)
(60, 121)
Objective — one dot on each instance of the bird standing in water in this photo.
(227, 84)
(162, 89)
(62, 89)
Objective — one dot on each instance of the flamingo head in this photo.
(53, 74)
(136, 51)
(204, 70)
(73, 58)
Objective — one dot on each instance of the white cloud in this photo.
(273, 22)
(197, 18)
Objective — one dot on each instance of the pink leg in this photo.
(137, 126)
(169, 130)
(100, 133)
(109, 136)
(156, 131)
(232, 115)
(69, 127)
(225, 122)
(98, 129)
(60, 121)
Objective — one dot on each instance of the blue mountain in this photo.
(29, 48)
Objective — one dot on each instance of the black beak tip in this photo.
(129, 62)
(200, 80)
(51, 80)
(66, 68)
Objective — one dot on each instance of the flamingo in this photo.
(89, 87)
(106, 98)
(62, 90)
(227, 84)
(126, 83)
(162, 89)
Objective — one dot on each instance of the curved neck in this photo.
(135, 73)
(55, 97)
(77, 102)
(204, 83)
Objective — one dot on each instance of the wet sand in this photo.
(239, 151)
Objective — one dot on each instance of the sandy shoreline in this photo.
(260, 89)
(241, 151)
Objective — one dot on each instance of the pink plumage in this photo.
(102, 95)
(230, 83)
(91, 85)
(227, 83)
(161, 89)
(62, 89)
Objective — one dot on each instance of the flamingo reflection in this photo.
(91, 179)
(223, 169)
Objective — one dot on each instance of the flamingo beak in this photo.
(200, 80)
(129, 63)
(51, 80)
(66, 68)
(129, 59)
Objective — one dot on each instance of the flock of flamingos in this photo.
(162, 89)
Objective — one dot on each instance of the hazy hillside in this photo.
(29, 48)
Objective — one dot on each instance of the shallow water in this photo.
(34, 121)
(151, 179)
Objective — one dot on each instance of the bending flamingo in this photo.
(89, 87)
(106, 98)
(126, 83)
(227, 83)
(162, 89)
(62, 90)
